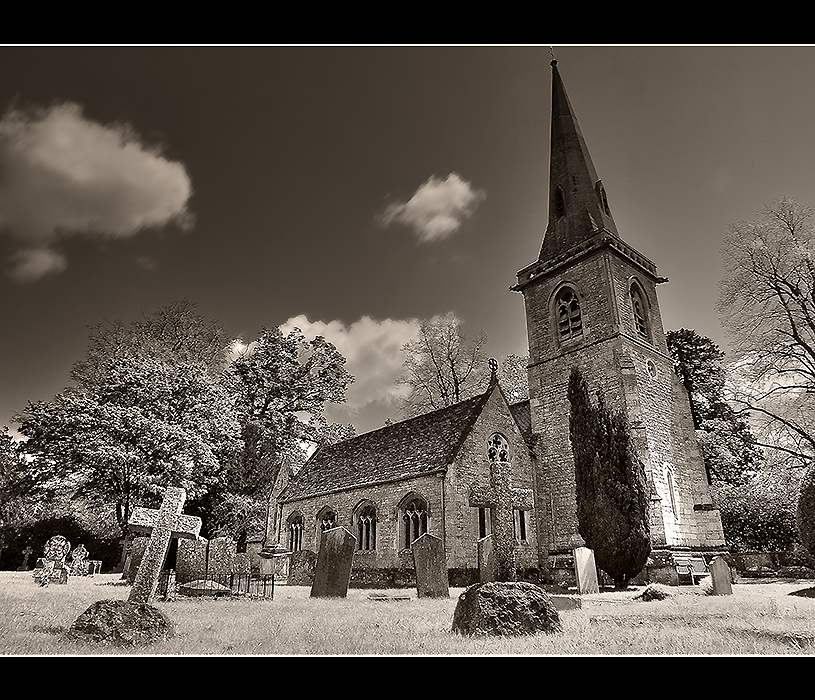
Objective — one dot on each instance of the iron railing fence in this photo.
(234, 584)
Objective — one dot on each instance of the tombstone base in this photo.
(121, 623)
(505, 609)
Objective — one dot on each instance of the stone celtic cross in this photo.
(502, 499)
(162, 525)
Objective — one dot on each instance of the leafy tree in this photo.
(147, 410)
(443, 365)
(805, 514)
(767, 304)
(611, 486)
(726, 440)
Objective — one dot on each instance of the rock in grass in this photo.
(654, 591)
(121, 623)
(505, 609)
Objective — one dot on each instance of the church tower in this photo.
(591, 301)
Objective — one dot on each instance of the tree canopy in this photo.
(767, 305)
(726, 440)
(611, 485)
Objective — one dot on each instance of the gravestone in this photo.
(585, 571)
(137, 548)
(52, 566)
(94, 567)
(163, 524)
(502, 499)
(720, 577)
(430, 564)
(334, 560)
(487, 562)
(190, 560)
(79, 563)
(27, 553)
(220, 556)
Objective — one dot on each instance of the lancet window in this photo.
(295, 532)
(639, 307)
(414, 521)
(366, 527)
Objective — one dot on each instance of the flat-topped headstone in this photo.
(164, 524)
(334, 560)
(585, 571)
(191, 560)
(721, 577)
(430, 564)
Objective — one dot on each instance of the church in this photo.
(590, 301)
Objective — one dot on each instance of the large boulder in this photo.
(505, 609)
(121, 623)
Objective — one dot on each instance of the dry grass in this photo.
(758, 619)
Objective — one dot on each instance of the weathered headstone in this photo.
(94, 566)
(51, 566)
(502, 499)
(191, 560)
(430, 564)
(334, 560)
(487, 562)
(721, 577)
(163, 524)
(27, 553)
(79, 563)
(585, 571)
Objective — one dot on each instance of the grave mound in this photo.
(505, 609)
(121, 623)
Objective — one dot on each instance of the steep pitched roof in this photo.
(522, 413)
(413, 447)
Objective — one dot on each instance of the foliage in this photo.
(726, 440)
(16, 486)
(759, 514)
(805, 512)
(611, 486)
(513, 378)
(767, 304)
(443, 366)
(147, 411)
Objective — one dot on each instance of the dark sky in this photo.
(357, 189)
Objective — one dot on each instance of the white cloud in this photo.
(62, 174)
(437, 209)
(373, 353)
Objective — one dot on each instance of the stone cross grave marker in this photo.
(430, 564)
(162, 525)
(585, 571)
(720, 577)
(27, 552)
(52, 566)
(502, 499)
(333, 572)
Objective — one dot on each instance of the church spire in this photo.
(578, 207)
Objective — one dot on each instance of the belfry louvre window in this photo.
(567, 310)
(366, 528)
(414, 521)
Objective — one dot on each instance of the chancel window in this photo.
(568, 316)
(640, 309)
(414, 521)
(327, 519)
(295, 532)
(366, 528)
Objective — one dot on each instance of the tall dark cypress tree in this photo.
(612, 489)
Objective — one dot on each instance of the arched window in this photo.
(414, 521)
(669, 480)
(567, 313)
(639, 307)
(498, 448)
(560, 202)
(326, 519)
(295, 527)
(365, 518)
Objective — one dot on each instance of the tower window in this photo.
(567, 309)
(640, 309)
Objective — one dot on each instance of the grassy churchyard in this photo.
(757, 619)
